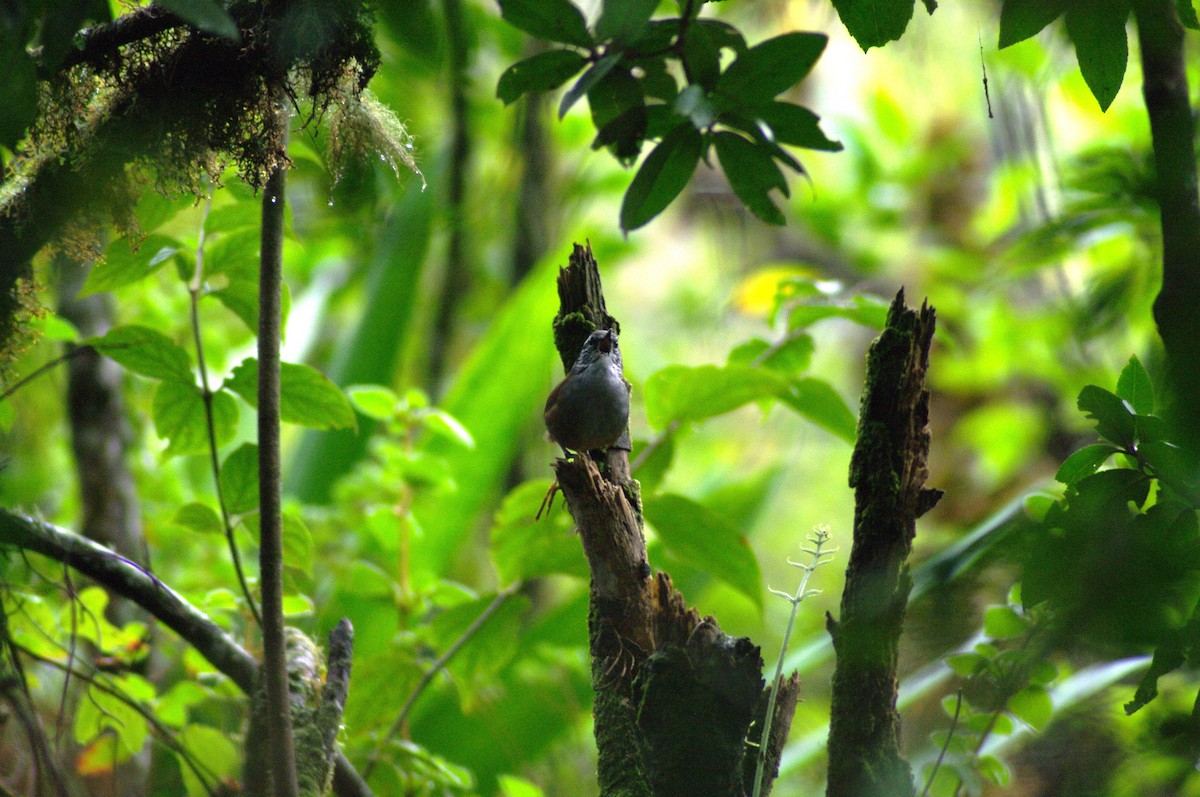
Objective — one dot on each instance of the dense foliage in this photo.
(1010, 179)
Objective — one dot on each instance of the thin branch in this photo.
(270, 552)
(129, 580)
(41, 369)
(501, 596)
(942, 754)
(102, 41)
(195, 289)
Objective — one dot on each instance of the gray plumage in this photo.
(590, 408)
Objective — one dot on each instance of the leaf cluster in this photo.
(629, 67)
(1117, 558)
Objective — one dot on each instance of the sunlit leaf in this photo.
(145, 351)
(1032, 705)
(798, 126)
(239, 479)
(817, 401)
(683, 393)
(180, 417)
(200, 518)
(306, 396)
(374, 401)
(707, 541)
(215, 749)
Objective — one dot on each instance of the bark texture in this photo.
(1173, 134)
(675, 697)
(887, 472)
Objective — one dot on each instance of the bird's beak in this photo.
(605, 343)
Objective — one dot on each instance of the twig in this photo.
(942, 755)
(41, 369)
(195, 289)
(270, 556)
(434, 669)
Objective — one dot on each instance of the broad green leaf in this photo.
(1020, 19)
(241, 296)
(239, 479)
(1134, 386)
(587, 80)
(1114, 419)
(817, 401)
(789, 357)
(374, 401)
(179, 417)
(523, 548)
(103, 713)
(511, 786)
(213, 747)
(172, 706)
(145, 351)
(1097, 29)
(487, 650)
(770, 67)
(623, 20)
(870, 311)
(207, 15)
(1002, 622)
(297, 544)
(447, 426)
(306, 396)
(874, 23)
(722, 34)
(1084, 462)
(693, 393)
(752, 173)
(1032, 705)
(797, 126)
(555, 20)
(705, 540)
(123, 265)
(702, 59)
(542, 72)
(55, 327)
(966, 664)
(1187, 14)
(663, 174)
(993, 769)
(200, 518)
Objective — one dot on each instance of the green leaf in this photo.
(693, 393)
(652, 469)
(623, 20)
(448, 427)
(770, 67)
(752, 173)
(706, 541)
(179, 417)
(663, 174)
(542, 72)
(1187, 14)
(103, 713)
(1134, 386)
(207, 15)
(701, 59)
(523, 548)
(1114, 419)
(222, 759)
(797, 126)
(586, 81)
(487, 650)
(1002, 622)
(297, 544)
(1098, 30)
(966, 664)
(239, 479)
(200, 518)
(123, 264)
(306, 396)
(1020, 19)
(1032, 705)
(145, 351)
(1084, 462)
(790, 357)
(374, 401)
(241, 296)
(869, 311)
(817, 401)
(874, 23)
(18, 90)
(554, 20)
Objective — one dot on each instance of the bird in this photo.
(589, 409)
